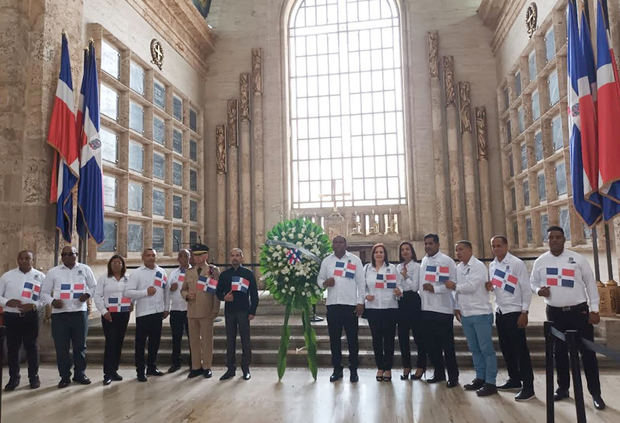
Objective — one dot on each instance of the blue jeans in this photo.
(478, 330)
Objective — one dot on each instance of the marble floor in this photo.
(298, 399)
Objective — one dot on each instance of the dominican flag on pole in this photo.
(90, 189)
(240, 284)
(62, 137)
(608, 114)
(582, 120)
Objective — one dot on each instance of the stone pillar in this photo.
(232, 179)
(469, 167)
(220, 154)
(454, 157)
(441, 206)
(483, 175)
(245, 172)
(257, 149)
(31, 46)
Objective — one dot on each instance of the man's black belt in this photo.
(577, 307)
(9, 313)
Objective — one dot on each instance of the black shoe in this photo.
(436, 379)
(13, 383)
(599, 404)
(154, 372)
(194, 373)
(229, 374)
(173, 368)
(452, 383)
(141, 377)
(560, 394)
(336, 375)
(474, 385)
(35, 382)
(83, 380)
(116, 377)
(207, 374)
(107, 380)
(353, 378)
(510, 384)
(525, 394)
(486, 390)
(247, 375)
(64, 383)
(418, 375)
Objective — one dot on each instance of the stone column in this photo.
(483, 175)
(441, 206)
(220, 154)
(31, 46)
(245, 171)
(469, 167)
(257, 149)
(456, 183)
(232, 179)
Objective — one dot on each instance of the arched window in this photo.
(346, 104)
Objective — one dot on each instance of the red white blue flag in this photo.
(560, 277)
(240, 284)
(62, 137)
(31, 290)
(385, 281)
(437, 274)
(503, 279)
(90, 189)
(71, 291)
(160, 280)
(293, 256)
(608, 108)
(116, 305)
(206, 284)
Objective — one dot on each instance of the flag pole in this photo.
(610, 269)
(597, 272)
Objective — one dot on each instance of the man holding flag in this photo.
(237, 287)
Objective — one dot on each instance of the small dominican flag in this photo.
(240, 284)
(498, 278)
(160, 280)
(350, 271)
(439, 274)
(503, 279)
(31, 290)
(206, 284)
(69, 291)
(293, 256)
(511, 283)
(116, 306)
(339, 269)
(560, 277)
(380, 283)
(386, 281)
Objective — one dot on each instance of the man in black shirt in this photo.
(237, 287)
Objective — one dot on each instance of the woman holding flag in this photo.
(383, 288)
(115, 310)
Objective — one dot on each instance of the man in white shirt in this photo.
(20, 291)
(178, 309)
(148, 285)
(342, 274)
(438, 311)
(67, 287)
(476, 313)
(510, 281)
(565, 280)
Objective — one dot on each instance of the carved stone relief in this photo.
(220, 141)
(232, 113)
(244, 103)
(481, 131)
(464, 107)
(257, 77)
(448, 77)
(432, 41)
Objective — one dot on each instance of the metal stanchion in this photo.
(549, 371)
(571, 343)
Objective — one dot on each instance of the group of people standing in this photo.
(423, 299)
(191, 296)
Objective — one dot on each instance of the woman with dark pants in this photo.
(409, 311)
(381, 308)
(115, 310)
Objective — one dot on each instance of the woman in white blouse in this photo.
(409, 311)
(381, 308)
(115, 310)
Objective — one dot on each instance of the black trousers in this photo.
(513, 343)
(114, 333)
(439, 338)
(178, 325)
(22, 329)
(409, 316)
(576, 319)
(148, 326)
(70, 328)
(341, 316)
(238, 320)
(382, 324)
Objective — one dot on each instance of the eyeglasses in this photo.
(67, 254)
